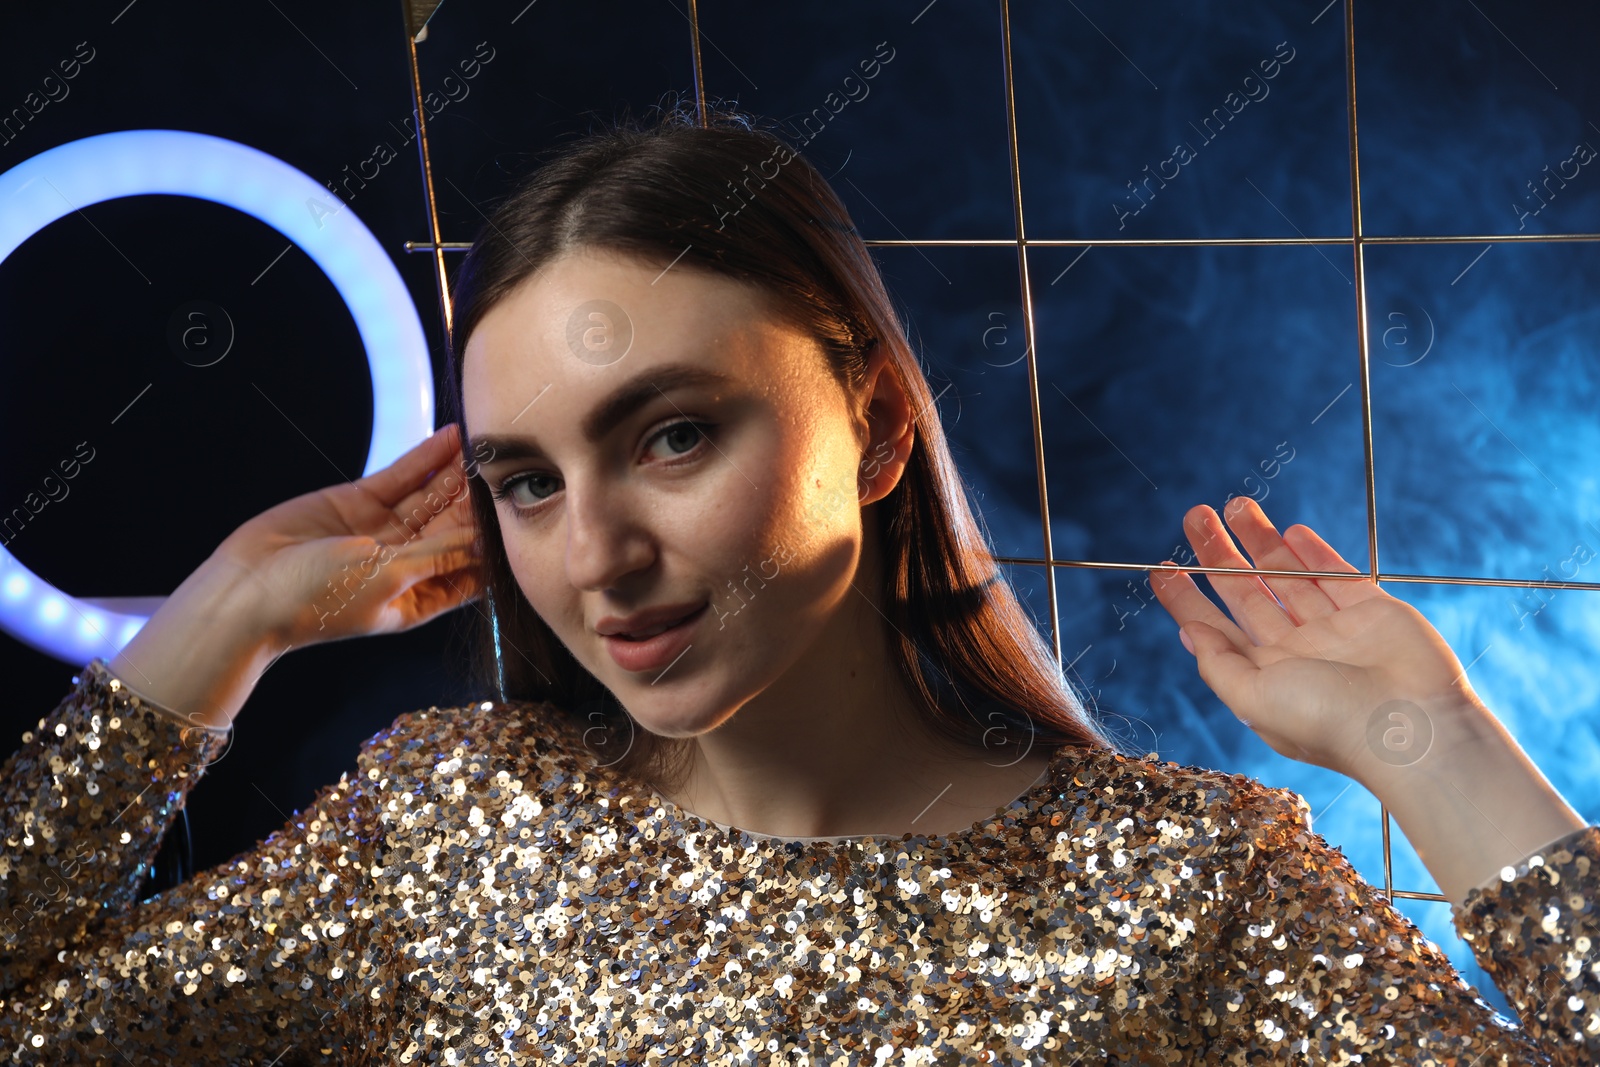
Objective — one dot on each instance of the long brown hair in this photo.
(747, 206)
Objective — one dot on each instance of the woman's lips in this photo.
(656, 652)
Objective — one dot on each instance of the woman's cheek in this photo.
(832, 506)
(536, 581)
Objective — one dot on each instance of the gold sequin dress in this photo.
(476, 890)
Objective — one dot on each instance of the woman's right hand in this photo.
(382, 554)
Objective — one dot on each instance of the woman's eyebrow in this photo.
(622, 402)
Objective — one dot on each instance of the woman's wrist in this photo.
(200, 655)
(1473, 802)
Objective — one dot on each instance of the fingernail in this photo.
(1186, 642)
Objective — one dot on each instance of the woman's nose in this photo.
(604, 543)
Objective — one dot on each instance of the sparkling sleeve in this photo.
(268, 952)
(1311, 964)
(1536, 932)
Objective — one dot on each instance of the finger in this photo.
(447, 592)
(1303, 597)
(1247, 596)
(444, 552)
(393, 482)
(1186, 603)
(443, 498)
(1229, 672)
(392, 573)
(1318, 555)
(432, 597)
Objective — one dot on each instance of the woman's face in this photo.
(662, 441)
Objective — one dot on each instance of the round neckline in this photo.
(691, 823)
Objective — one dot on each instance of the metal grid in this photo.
(1357, 243)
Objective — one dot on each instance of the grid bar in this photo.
(1030, 349)
(1504, 238)
(442, 278)
(695, 61)
(1421, 579)
(1364, 350)
(1171, 242)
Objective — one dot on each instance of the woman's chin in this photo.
(675, 719)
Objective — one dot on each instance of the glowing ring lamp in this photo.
(47, 186)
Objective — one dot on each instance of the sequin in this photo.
(476, 890)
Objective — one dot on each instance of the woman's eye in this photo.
(680, 437)
(508, 490)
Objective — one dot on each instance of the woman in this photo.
(841, 808)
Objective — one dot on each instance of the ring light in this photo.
(43, 188)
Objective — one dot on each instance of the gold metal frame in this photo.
(1357, 242)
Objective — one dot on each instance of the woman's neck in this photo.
(891, 791)
(838, 745)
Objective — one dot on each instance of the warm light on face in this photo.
(625, 510)
(72, 176)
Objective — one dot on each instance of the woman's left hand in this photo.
(1311, 674)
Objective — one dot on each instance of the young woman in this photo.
(776, 769)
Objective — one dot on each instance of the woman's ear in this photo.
(890, 429)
